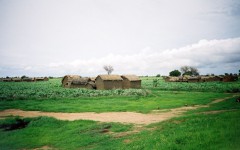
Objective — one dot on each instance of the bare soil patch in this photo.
(122, 117)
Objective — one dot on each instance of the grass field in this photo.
(196, 129)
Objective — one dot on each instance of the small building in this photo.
(230, 78)
(171, 79)
(7, 80)
(16, 80)
(193, 79)
(67, 80)
(204, 78)
(46, 79)
(81, 83)
(28, 79)
(109, 82)
(131, 81)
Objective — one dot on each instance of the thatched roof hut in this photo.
(16, 79)
(80, 83)
(92, 84)
(39, 79)
(193, 79)
(203, 79)
(108, 82)
(131, 81)
(93, 79)
(45, 78)
(230, 78)
(166, 78)
(171, 79)
(67, 79)
(7, 80)
(28, 79)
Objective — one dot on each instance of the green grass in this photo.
(231, 87)
(52, 89)
(44, 131)
(155, 100)
(192, 131)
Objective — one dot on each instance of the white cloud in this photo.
(210, 56)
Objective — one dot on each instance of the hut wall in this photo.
(68, 78)
(16, 79)
(135, 84)
(126, 83)
(112, 84)
(229, 78)
(78, 86)
(108, 84)
(131, 84)
(99, 84)
(46, 79)
(193, 80)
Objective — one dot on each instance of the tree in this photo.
(189, 70)
(158, 75)
(175, 73)
(24, 77)
(108, 68)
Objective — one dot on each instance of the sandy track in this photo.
(122, 117)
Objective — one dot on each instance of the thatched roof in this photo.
(72, 77)
(131, 77)
(80, 81)
(110, 77)
(16, 79)
(93, 79)
(193, 78)
(173, 79)
(28, 79)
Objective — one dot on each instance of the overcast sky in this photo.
(143, 37)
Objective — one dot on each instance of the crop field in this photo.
(206, 116)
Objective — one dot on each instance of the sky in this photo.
(142, 37)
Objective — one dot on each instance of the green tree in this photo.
(175, 73)
(189, 70)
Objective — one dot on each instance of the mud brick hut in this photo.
(230, 78)
(16, 80)
(28, 79)
(204, 79)
(218, 78)
(108, 82)
(193, 79)
(171, 79)
(41, 79)
(7, 80)
(67, 80)
(131, 81)
(81, 83)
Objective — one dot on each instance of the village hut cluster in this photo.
(227, 78)
(102, 82)
(27, 79)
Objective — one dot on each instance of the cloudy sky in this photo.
(143, 37)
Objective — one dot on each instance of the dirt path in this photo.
(122, 117)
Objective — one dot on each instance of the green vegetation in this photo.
(196, 129)
(219, 87)
(58, 134)
(53, 90)
(175, 73)
(192, 131)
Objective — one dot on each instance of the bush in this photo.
(175, 73)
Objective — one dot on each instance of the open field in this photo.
(211, 126)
